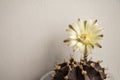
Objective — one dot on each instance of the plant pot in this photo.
(47, 76)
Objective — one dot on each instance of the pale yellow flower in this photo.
(84, 33)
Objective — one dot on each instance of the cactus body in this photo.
(83, 70)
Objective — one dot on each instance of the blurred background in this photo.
(32, 34)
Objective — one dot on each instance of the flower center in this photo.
(83, 36)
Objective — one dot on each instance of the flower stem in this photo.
(85, 53)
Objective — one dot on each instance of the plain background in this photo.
(32, 34)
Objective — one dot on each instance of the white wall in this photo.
(32, 31)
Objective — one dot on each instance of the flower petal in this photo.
(81, 47)
(76, 27)
(97, 38)
(81, 25)
(73, 37)
(98, 45)
(72, 43)
(85, 25)
(89, 48)
(75, 48)
(89, 24)
(70, 31)
(98, 30)
(94, 22)
(94, 25)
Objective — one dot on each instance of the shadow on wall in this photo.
(53, 54)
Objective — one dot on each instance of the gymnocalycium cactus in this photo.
(83, 36)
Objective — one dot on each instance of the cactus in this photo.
(83, 70)
(84, 35)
